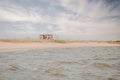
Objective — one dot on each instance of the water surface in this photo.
(83, 63)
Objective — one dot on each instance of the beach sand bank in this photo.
(10, 46)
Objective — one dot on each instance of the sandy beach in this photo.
(9, 46)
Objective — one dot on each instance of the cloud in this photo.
(79, 19)
(16, 14)
(89, 19)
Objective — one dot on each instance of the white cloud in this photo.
(19, 14)
(85, 20)
(93, 8)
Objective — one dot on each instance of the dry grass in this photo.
(31, 40)
(60, 41)
(114, 42)
(20, 40)
(25, 40)
(55, 41)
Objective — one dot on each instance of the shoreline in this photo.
(10, 46)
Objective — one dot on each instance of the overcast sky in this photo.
(67, 19)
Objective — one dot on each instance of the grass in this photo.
(59, 41)
(115, 42)
(25, 40)
(31, 40)
(20, 40)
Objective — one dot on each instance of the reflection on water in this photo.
(84, 63)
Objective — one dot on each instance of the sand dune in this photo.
(7, 46)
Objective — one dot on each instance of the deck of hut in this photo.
(46, 36)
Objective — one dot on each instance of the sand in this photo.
(9, 46)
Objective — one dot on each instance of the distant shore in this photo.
(26, 45)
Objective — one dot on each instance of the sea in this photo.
(81, 63)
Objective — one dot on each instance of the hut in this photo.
(46, 36)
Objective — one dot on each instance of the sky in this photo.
(66, 19)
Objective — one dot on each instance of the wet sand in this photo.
(9, 46)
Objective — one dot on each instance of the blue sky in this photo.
(66, 19)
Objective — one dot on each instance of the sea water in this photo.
(82, 63)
